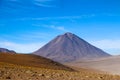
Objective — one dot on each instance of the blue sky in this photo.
(26, 25)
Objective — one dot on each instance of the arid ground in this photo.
(11, 70)
(108, 64)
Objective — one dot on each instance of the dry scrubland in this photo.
(15, 72)
(48, 70)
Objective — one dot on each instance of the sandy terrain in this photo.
(31, 67)
(15, 72)
(109, 64)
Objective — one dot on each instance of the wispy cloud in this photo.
(25, 42)
(112, 46)
(21, 48)
(34, 35)
(71, 17)
(40, 3)
(61, 17)
(60, 28)
(27, 36)
(44, 3)
(111, 14)
(107, 44)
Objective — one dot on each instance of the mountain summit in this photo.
(69, 47)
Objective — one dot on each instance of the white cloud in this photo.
(61, 28)
(61, 17)
(69, 17)
(111, 14)
(31, 39)
(108, 44)
(34, 35)
(27, 36)
(21, 48)
(111, 46)
(43, 3)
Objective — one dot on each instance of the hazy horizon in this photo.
(27, 25)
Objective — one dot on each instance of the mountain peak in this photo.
(68, 33)
(69, 47)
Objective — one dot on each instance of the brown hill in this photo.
(31, 61)
(69, 47)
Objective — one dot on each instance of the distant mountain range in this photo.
(4, 50)
(69, 47)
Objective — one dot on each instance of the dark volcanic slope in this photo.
(6, 51)
(31, 61)
(69, 47)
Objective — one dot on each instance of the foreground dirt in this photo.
(32, 67)
(15, 72)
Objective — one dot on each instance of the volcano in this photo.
(69, 47)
